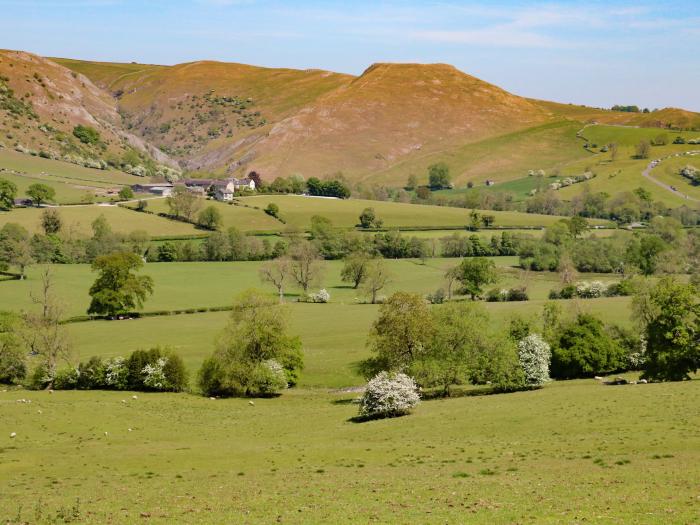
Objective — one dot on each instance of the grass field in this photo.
(333, 334)
(519, 188)
(79, 219)
(244, 218)
(297, 211)
(572, 452)
(217, 282)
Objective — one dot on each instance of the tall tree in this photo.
(459, 341)
(117, 289)
(8, 194)
(400, 334)
(183, 203)
(210, 218)
(670, 317)
(253, 346)
(439, 176)
(15, 247)
(40, 193)
(376, 278)
(306, 265)
(355, 268)
(276, 272)
(44, 334)
(51, 221)
(476, 272)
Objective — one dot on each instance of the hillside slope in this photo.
(389, 114)
(380, 127)
(41, 102)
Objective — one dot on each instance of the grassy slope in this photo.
(501, 158)
(668, 172)
(79, 219)
(489, 459)
(72, 183)
(243, 218)
(298, 210)
(625, 173)
(104, 74)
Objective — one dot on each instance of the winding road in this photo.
(654, 163)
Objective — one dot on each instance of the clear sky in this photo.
(597, 53)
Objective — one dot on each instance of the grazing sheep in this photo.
(14, 434)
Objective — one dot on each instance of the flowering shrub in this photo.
(637, 357)
(271, 377)
(498, 295)
(534, 354)
(116, 373)
(321, 297)
(389, 395)
(154, 375)
(590, 290)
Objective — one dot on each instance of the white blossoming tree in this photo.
(389, 395)
(534, 354)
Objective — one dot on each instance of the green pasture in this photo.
(572, 452)
(65, 193)
(78, 219)
(668, 172)
(519, 188)
(631, 135)
(246, 219)
(333, 334)
(38, 166)
(297, 211)
(185, 285)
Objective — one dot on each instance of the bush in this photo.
(66, 379)
(13, 365)
(590, 290)
(584, 348)
(503, 295)
(91, 374)
(321, 297)
(86, 134)
(623, 288)
(535, 355)
(437, 297)
(389, 395)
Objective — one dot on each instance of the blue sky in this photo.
(597, 53)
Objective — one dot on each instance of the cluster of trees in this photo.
(453, 344)
(62, 245)
(335, 186)
(37, 193)
(254, 355)
(442, 346)
(663, 247)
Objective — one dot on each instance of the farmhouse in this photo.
(224, 190)
(243, 184)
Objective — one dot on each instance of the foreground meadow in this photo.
(573, 452)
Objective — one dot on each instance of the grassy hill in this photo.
(392, 121)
